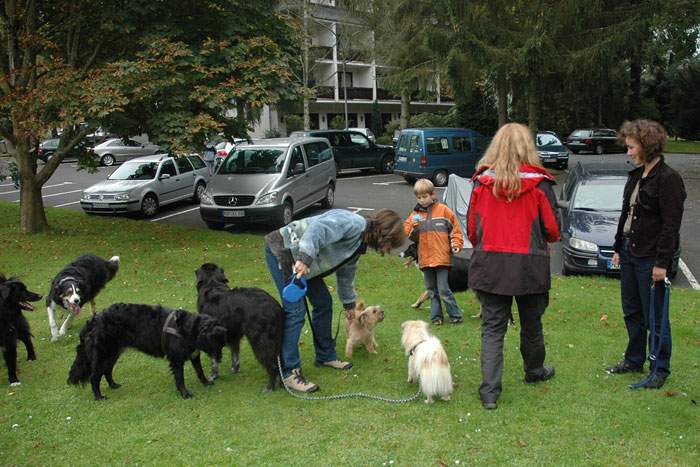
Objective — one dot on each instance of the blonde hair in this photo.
(512, 146)
(423, 187)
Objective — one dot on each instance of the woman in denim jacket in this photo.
(316, 247)
(647, 239)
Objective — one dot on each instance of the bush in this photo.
(384, 139)
(294, 123)
(391, 127)
(273, 133)
(337, 123)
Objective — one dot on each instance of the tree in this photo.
(80, 64)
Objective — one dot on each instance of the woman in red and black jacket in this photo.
(512, 218)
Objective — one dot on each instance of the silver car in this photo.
(145, 183)
(270, 181)
(119, 150)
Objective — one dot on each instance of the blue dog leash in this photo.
(656, 344)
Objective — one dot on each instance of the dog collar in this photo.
(68, 278)
(168, 330)
(413, 349)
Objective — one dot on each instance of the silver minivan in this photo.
(269, 181)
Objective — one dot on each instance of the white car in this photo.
(145, 183)
(365, 131)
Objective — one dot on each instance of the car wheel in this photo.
(149, 205)
(599, 149)
(286, 215)
(328, 201)
(410, 180)
(198, 190)
(440, 178)
(107, 160)
(215, 225)
(387, 166)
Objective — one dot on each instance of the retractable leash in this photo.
(656, 344)
(295, 291)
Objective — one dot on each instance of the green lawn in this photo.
(683, 146)
(581, 417)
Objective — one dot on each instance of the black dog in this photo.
(154, 330)
(457, 278)
(249, 312)
(77, 284)
(14, 297)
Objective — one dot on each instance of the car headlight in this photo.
(85, 196)
(121, 196)
(206, 198)
(583, 245)
(269, 198)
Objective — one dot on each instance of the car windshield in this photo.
(253, 161)
(135, 171)
(546, 139)
(599, 195)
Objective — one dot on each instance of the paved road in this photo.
(365, 193)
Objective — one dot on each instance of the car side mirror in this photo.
(164, 176)
(563, 204)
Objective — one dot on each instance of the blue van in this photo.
(435, 153)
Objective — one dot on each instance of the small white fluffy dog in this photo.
(427, 361)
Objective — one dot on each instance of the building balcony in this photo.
(356, 93)
(325, 92)
(354, 55)
(321, 52)
(386, 95)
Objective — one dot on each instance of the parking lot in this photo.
(365, 193)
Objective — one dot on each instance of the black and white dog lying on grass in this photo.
(154, 330)
(244, 311)
(77, 284)
(15, 297)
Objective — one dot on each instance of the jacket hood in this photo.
(530, 177)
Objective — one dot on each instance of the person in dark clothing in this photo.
(646, 240)
(511, 220)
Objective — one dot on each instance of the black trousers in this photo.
(495, 313)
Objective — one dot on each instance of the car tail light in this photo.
(40, 151)
(423, 161)
(221, 153)
(588, 141)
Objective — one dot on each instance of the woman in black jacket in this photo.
(646, 240)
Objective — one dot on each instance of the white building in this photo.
(341, 48)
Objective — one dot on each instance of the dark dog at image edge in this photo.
(154, 330)
(243, 311)
(77, 284)
(14, 298)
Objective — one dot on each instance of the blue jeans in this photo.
(321, 318)
(436, 283)
(635, 290)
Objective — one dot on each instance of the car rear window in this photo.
(414, 144)
(404, 142)
(196, 162)
(437, 145)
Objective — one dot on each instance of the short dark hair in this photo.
(650, 135)
(385, 229)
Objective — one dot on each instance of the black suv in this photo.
(590, 204)
(597, 140)
(353, 150)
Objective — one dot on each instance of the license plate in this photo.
(234, 213)
(550, 159)
(612, 266)
(87, 205)
(403, 158)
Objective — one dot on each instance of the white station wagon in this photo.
(145, 183)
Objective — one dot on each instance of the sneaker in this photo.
(337, 364)
(623, 367)
(546, 373)
(297, 382)
(489, 405)
(437, 321)
(456, 320)
(656, 382)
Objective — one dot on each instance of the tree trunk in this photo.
(305, 66)
(405, 108)
(533, 102)
(635, 84)
(502, 98)
(31, 205)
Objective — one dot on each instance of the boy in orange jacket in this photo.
(436, 230)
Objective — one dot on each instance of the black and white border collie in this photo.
(14, 298)
(77, 284)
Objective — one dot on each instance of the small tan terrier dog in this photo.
(361, 329)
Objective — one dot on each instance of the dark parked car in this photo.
(590, 205)
(353, 150)
(597, 140)
(551, 150)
